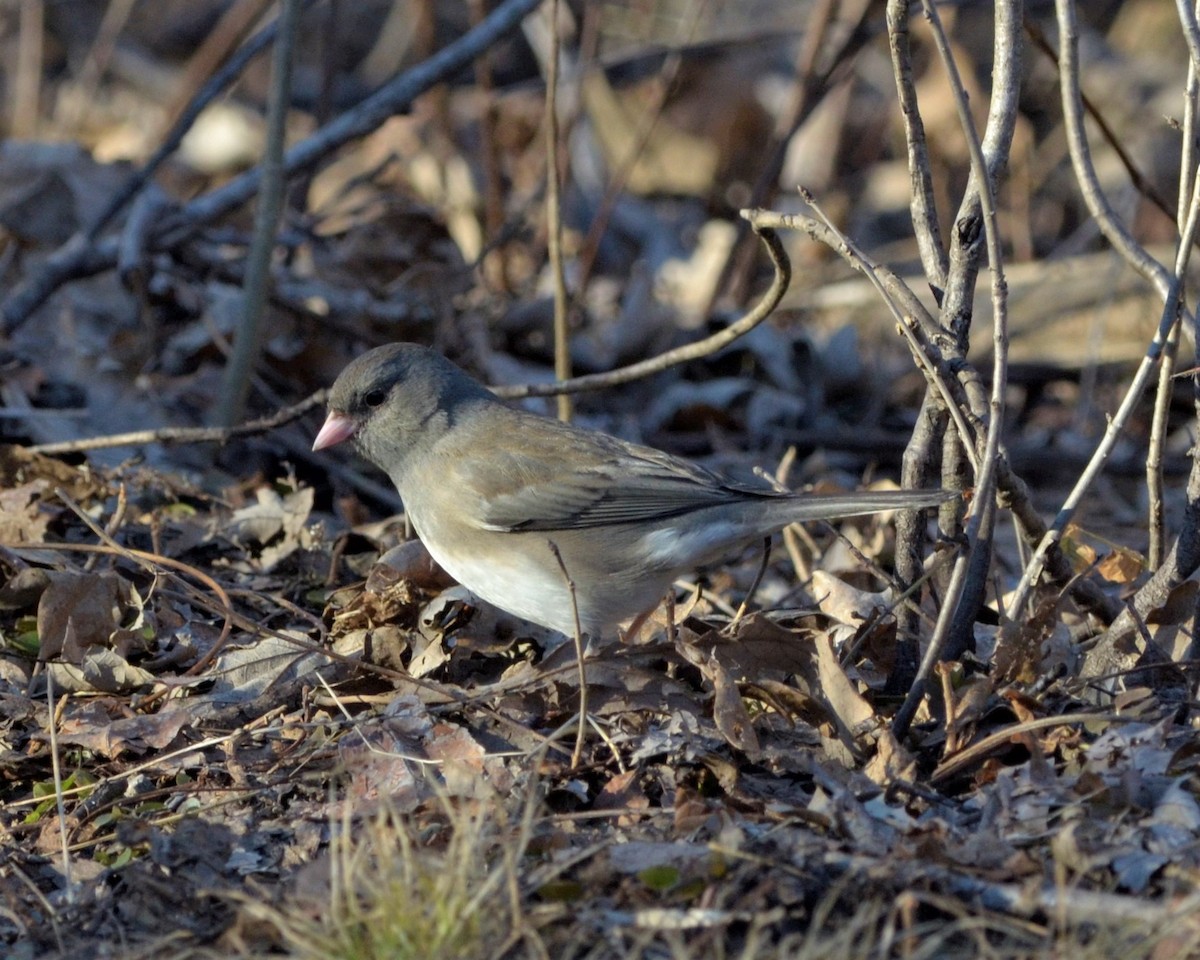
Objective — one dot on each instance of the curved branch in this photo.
(692, 351)
(1081, 158)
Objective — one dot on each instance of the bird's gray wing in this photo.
(635, 485)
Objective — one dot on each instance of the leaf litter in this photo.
(732, 745)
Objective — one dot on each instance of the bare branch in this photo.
(968, 581)
(79, 257)
(924, 209)
(692, 351)
(1081, 158)
(1117, 422)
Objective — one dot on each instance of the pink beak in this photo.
(337, 427)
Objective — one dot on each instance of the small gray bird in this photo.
(488, 487)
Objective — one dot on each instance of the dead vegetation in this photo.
(240, 715)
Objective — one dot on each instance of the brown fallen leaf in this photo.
(729, 710)
(86, 607)
(23, 516)
(855, 716)
(95, 728)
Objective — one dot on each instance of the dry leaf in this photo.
(1121, 566)
(88, 605)
(855, 716)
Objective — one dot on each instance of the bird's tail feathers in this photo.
(830, 506)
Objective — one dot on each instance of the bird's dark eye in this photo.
(375, 397)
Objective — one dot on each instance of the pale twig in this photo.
(1106, 218)
(910, 316)
(977, 751)
(920, 452)
(754, 584)
(371, 748)
(1014, 492)
(1112, 654)
(56, 769)
(1159, 422)
(989, 158)
(921, 449)
(1187, 141)
(1191, 30)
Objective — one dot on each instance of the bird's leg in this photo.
(583, 697)
(762, 570)
(635, 625)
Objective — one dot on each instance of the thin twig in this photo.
(929, 436)
(56, 769)
(692, 351)
(172, 435)
(922, 204)
(963, 382)
(554, 230)
(910, 315)
(248, 339)
(956, 764)
(927, 439)
(1117, 422)
(1114, 230)
(754, 584)
(1191, 30)
(1113, 653)
(1156, 511)
(1159, 423)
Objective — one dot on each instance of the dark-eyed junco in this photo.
(488, 487)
